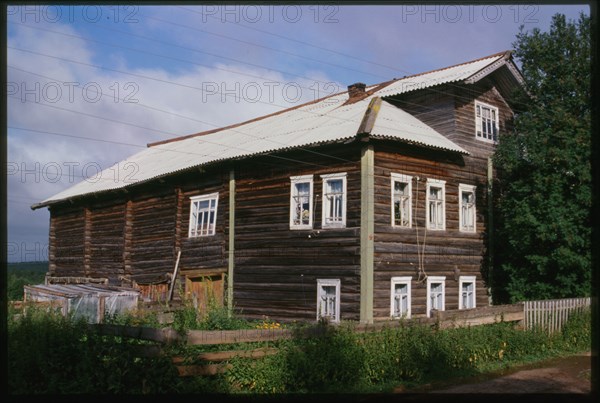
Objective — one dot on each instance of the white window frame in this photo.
(320, 293)
(407, 180)
(434, 280)
(326, 204)
(192, 229)
(473, 213)
(404, 280)
(479, 112)
(462, 280)
(437, 183)
(294, 180)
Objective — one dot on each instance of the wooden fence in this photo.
(550, 315)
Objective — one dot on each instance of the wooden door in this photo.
(205, 291)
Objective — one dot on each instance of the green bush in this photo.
(340, 360)
(577, 332)
(51, 354)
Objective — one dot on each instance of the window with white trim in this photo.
(334, 200)
(203, 215)
(401, 200)
(400, 295)
(436, 290)
(466, 286)
(466, 213)
(301, 202)
(486, 122)
(436, 204)
(328, 299)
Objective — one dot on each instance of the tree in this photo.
(544, 196)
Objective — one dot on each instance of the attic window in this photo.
(203, 215)
(486, 122)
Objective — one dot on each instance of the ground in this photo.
(566, 375)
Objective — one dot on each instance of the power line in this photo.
(174, 58)
(302, 42)
(75, 136)
(264, 47)
(115, 97)
(211, 124)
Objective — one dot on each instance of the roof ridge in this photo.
(503, 53)
(218, 129)
(374, 88)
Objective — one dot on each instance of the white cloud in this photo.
(42, 164)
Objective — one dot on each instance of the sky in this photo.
(88, 86)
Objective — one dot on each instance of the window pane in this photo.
(203, 217)
(301, 200)
(436, 296)
(401, 204)
(468, 210)
(467, 295)
(436, 208)
(334, 199)
(328, 301)
(400, 299)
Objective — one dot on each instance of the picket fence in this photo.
(552, 314)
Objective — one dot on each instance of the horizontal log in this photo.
(202, 370)
(219, 356)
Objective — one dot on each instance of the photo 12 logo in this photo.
(253, 13)
(450, 13)
(53, 172)
(27, 251)
(71, 91)
(69, 14)
(266, 92)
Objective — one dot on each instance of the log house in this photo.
(365, 205)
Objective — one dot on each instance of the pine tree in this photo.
(543, 217)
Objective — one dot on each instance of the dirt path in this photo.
(558, 375)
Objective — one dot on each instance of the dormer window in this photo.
(486, 122)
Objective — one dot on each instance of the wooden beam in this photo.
(231, 242)
(490, 226)
(52, 246)
(366, 125)
(127, 237)
(174, 277)
(87, 241)
(367, 230)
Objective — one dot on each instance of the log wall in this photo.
(67, 229)
(446, 251)
(276, 268)
(139, 231)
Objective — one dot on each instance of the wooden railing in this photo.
(550, 315)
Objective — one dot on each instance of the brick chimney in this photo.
(356, 89)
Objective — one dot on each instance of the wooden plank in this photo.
(227, 355)
(202, 370)
(195, 337)
(231, 242)
(367, 227)
(174, 276)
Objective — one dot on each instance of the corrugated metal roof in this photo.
(78, 290)
(394, 123)
(456, 73)
(324, 121)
